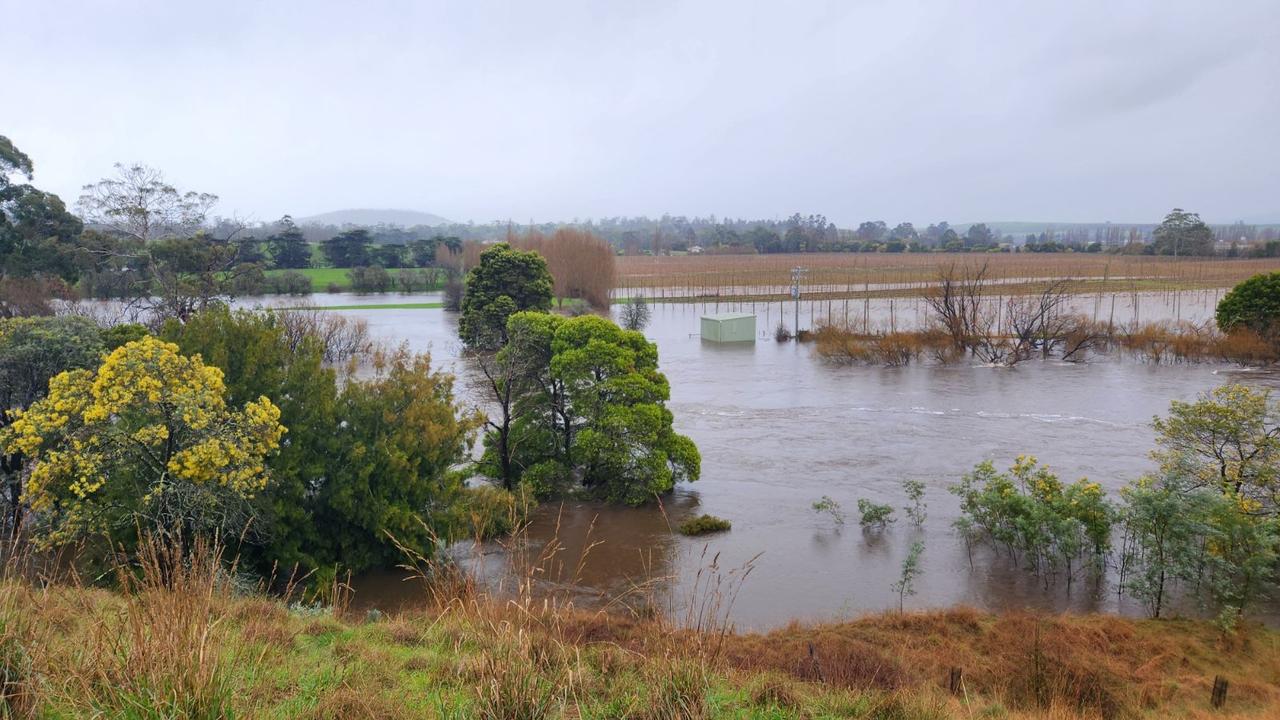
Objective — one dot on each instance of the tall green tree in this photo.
(288, 247)
(348, 249)
(622, 439)
(979, 235)
(505, 282)
(422, 251)
(1166, 521)
(37, 233)
(582, 398)
(1182, 233)
(521, 430)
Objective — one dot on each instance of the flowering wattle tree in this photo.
(146, 440)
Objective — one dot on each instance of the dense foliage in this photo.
(1050, 526)
(1253, 304)
(33, 350)
(148, 435)
(348, 249)
(704, 524)
(505, 282)
(582, 398)
(367, 460)
(153, 438)
(1181, 533)
(288, 246)
(1203, 530)
(37, 233)
(1228, 439)
(1182, 233)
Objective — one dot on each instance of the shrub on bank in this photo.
(290, 282)
(1253, 304)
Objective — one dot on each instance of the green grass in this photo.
(96, 653)
(322, 278)
(383, 306)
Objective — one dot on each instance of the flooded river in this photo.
(778, 429)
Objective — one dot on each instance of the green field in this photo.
(323, 278)
(384, 306)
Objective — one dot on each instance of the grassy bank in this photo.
(195, 650)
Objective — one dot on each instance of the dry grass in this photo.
(499, 660)
(1074, 338)
(176, 642)
(1091, 665)
(849, 274)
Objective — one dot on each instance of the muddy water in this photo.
(778, 429)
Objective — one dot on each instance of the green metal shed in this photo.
(729, 327)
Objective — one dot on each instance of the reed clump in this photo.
(1071, 338)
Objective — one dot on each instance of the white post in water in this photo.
(796, 274)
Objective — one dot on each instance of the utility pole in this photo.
(796, 274)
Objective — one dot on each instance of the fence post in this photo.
(1219, 697)
(955, 680)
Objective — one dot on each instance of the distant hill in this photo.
(374, 216)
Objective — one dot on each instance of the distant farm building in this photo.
(729, 327)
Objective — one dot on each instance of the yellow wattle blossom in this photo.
(146, 418)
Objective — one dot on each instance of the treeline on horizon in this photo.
(643, 235)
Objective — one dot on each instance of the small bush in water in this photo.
(917, 511)
(873, 514)
(827, 505)
(704, 524)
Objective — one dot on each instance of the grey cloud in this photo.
(897, 110)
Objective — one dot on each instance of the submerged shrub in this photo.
(1035, 516)
(1179, 530)
(826, 505)
(917, 511)
(704, 524)
(1246, 347)
(873, 514)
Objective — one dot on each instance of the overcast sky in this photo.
(959, 111)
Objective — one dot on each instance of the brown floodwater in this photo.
(778, 429)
